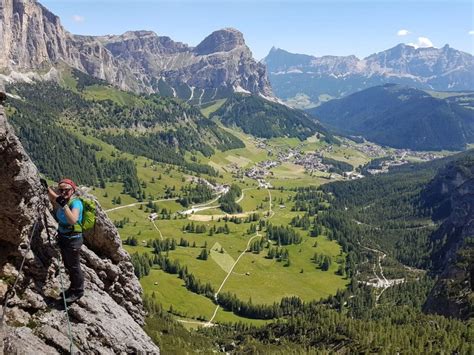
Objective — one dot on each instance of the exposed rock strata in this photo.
(298, 75)
(34, 40)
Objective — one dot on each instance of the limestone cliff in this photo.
(35, 42)
(221, 64)
(106, 320)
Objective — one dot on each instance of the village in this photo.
(315, 162)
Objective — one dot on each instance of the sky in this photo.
(315, 27)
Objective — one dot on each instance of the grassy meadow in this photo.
(255, 277)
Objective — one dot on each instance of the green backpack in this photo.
(88, 213)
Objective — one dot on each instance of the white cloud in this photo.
(471, 33)
(423, 42)
(403, 32)
(78, 18)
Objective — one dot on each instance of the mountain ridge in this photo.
(139, 61)
(424, 68)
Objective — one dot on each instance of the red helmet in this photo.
(69, 182)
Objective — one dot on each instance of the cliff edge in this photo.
(107, 320)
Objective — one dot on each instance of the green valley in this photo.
(230, 227)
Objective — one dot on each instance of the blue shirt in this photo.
(61, 217)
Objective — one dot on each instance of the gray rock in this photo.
(142, 61)
(441, 69)
(24, 341)
(107, 319)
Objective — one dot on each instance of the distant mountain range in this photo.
(34, 44)
(305, 81)
(402, 117)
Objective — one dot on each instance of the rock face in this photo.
(34, 39)
(141, 61)
(316, 78)
(452, 191)
(219, 65)
(106, 320)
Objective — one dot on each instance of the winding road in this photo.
(270, 215)
(140, 203)
(382, 281)
(202, 207)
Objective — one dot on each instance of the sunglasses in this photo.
(61, 191)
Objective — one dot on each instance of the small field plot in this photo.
(348, 155)
(210, 108)
(284, 142)
(238, 160)
(255, 200)
(221, 257)
(241, 157)
(204, 270)
(288, 171)
(312, 144)
(299, 181)
(266, 280)
(172, 294)
(100, 92)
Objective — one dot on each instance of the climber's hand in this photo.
(44, 183)
(61, 201)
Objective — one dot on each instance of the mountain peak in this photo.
(223, 40)
(139, 33)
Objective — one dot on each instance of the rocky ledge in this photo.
(107, 320)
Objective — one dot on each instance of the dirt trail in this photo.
(382, 282)
(140, 203)
(270, 215)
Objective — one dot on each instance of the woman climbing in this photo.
(68, 213)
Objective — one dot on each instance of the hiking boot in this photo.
(74, 296)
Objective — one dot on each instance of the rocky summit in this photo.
(36, 42)
(107, 320)
(319, 78)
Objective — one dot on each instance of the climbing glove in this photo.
(61, 201)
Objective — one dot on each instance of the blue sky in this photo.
(317, 27)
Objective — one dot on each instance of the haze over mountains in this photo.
(142, 61)
(305, 81)
(34, 39)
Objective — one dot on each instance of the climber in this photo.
(68, 213)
